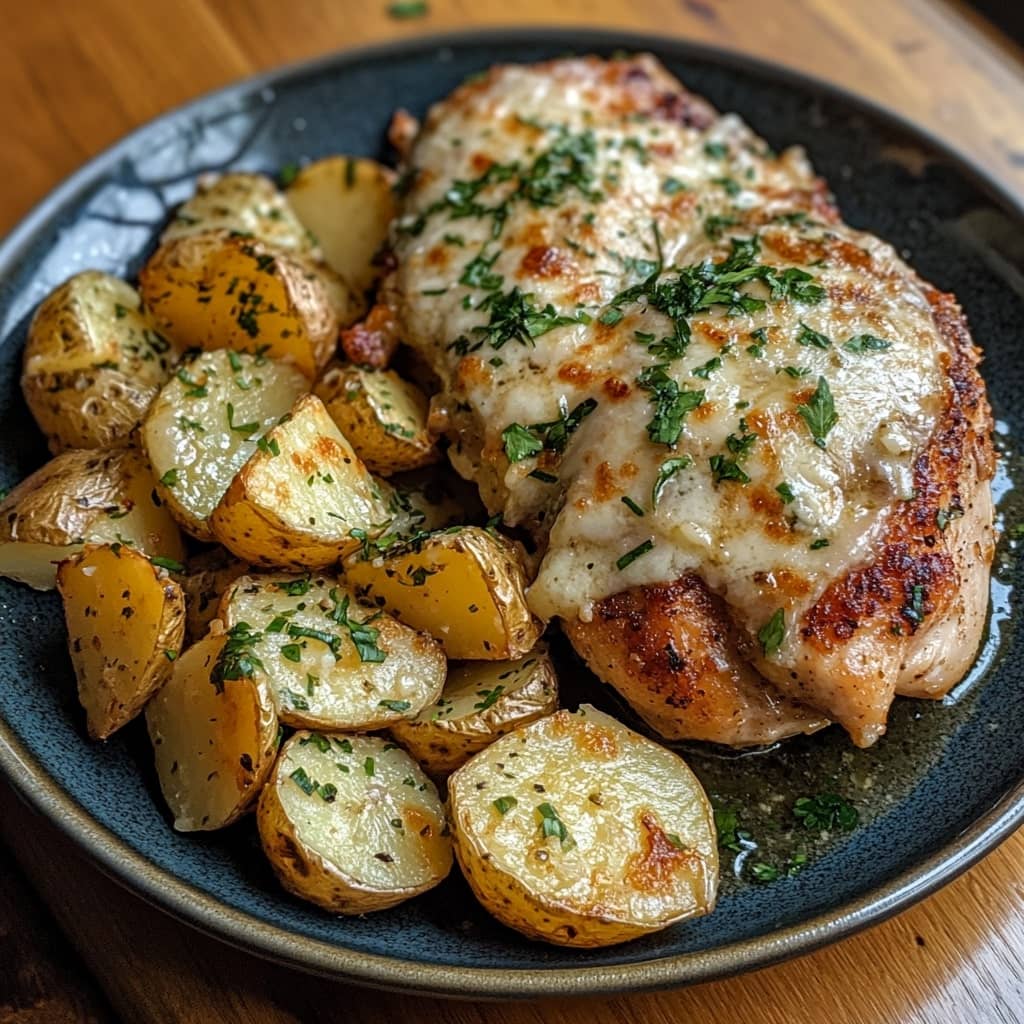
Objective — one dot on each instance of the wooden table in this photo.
(74, 76)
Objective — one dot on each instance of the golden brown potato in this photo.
(352, 824)
(220, 290)
(93, 362)
(79, 497)
(246, 204)
(207, 577)
(303, 499)
(481, 701)
(332, 664)
(348, 204)
(464, 586)
(206, 422)
(126, 626)
(383, 417)
(577, 831)
(214, 733)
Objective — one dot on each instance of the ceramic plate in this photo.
(945, 784)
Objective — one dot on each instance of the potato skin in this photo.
(93, 362)
(120, 659)
(383, 417)
(217, 290)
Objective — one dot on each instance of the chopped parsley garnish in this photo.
(632, 505)
(245, 429)
(167, 563)
(826, 811)
(914, 611)
(731, 185)
(288, 173)
(478, 274)
(723, 469)
(666, 471)
(292, 652)
(368, 767)
(819, 412)
(293, 588)
(716, 150)
(795, 371)
(671, 404)
(672, 186)
(513, 317)
(811, 338)
(553, 436)
(945, 516)
(785, 492)
(504, 804)
(552, 825)
(772, 633)
(404, 10)
(488, 698)
(762, 872)
(397, 706)
(303, 781)
(544, 478)
(170, 478)
(817, 545)
(631, 556)
(716, 225)
(364, 636)
(269, 446)
(866, 343)
(705, 370)
(237, 659)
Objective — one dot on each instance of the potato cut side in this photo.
(205, 581)
(330, 663)
(352, 824)
(464, 586)
(383, 416)
(577, 831)
(126, 626)
(248, 204)
(481, 701)
(207, 421)
(348, 204)
(303, 499)
(219, 290)
(214, 735)
(93, 362)
(79, 497)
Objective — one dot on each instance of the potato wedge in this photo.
(330, 663)
(481, 701)
(93, 362)
(351, 824)
(247, 204)
(206, 578)
(220, 290)
(79, 497)
(383, 417)
(577, 831)
(464, 586)
(348, 204)
(299, 498)
(207, 421)
(214, 734)
(126, 626)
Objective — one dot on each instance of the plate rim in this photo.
(161, 888)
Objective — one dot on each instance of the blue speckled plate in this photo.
(943, 787)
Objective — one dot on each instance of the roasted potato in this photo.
(332, 664)
(206, 421)
(93, 362)
(126, 626)
(352, 824)
(79, 497)
(577, 831)
(207, 576)
(221, 290)
(246, 204)
(383, 417)
(214, 733)
(481, 701)
(464, 586)
(348, 204)
(303, 499)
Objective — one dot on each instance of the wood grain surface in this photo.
(75, 75)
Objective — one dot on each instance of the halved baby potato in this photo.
(219, 290)
(481, 701)
(80, 497)
(93, 362)
(348, 204)
(207, 576)
(206, 422)
(214, 733)
(465, 586)
(351, 824)
(303, 499)
(577, 831)
(126, 626)
(383, 416)
(330, 663)
(246, 204)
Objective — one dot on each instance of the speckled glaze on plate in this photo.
(943, 787)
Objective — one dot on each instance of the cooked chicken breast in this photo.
(740, 430)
